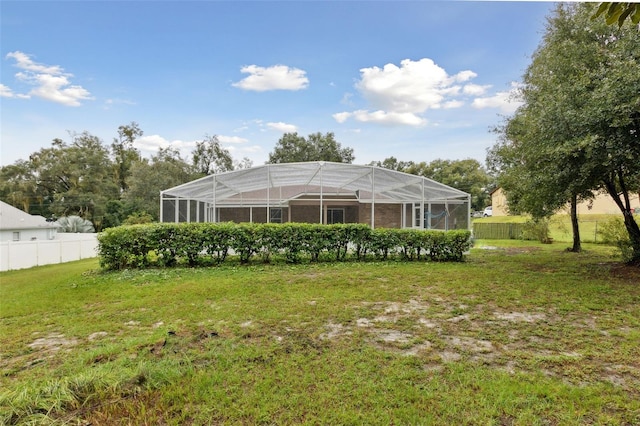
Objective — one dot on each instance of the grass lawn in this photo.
(519, 334)
(560, 225)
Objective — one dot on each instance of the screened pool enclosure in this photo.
(318, 192)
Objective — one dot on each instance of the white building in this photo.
(16, 225)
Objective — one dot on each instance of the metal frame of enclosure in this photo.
(319, 192)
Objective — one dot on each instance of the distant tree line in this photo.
(467, 175)
(110, 185)
(106, 184)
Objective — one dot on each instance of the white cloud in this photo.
(23, 61)
(414, 87)
(347, 99)
(506, 101)
(282, 127)
(246, 149)
(6, 92)
(452, 104)
(151, 143)
(277, 77)
(475, 89)
(232, 139)
(465, 76)
(402, 94)
(50, 81)
(382, 117)
(341, 117)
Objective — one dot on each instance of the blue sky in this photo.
(416, 80)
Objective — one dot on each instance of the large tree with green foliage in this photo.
(103, 184)
(578, 130)
(467, 175)
(619, 12)
(124, 153)
(19, 188)
(209, 157)
(292, 148)
(164, 170)
(75, 178)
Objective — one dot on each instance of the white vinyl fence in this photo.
(64, 248)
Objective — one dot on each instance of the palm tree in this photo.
(75, 224)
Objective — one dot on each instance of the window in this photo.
(16, 236)
(275, 216)
(416, 214)
(335, 216)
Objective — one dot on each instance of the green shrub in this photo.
(383, 242)
(614, 232)
(216, 241)
(244, 242)
(538, 230)
(196, 244)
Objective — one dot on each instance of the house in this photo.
(16, 225)
(499, 202)
(318, 192)
(601, 204)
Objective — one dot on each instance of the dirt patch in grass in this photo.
(521, 250)
(519, 316)
(625, 272)
(511, 250)
(508, 340)
(52, 343)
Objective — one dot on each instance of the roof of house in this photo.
(13, 218)
(290, 180)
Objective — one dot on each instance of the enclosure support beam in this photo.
(422, 208)
(373, 198)
(469, 211)
(268, 193)
(213, 211)
(321, 201)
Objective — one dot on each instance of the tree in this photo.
(578, 129)
(292, 148)
(124, 153)
(210, 158)
(466, 175)
(148, 177)
(245, 163)
(75, 224)
(75, 178)
(392, 163)
(618, 12)
(18, 187)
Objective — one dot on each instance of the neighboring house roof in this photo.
(286, 181)
(13, 218)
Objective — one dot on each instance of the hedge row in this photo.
(194, 244)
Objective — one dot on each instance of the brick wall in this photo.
(386, 215)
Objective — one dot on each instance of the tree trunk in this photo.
(634, 236)
(629, 222)
(577, 247)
